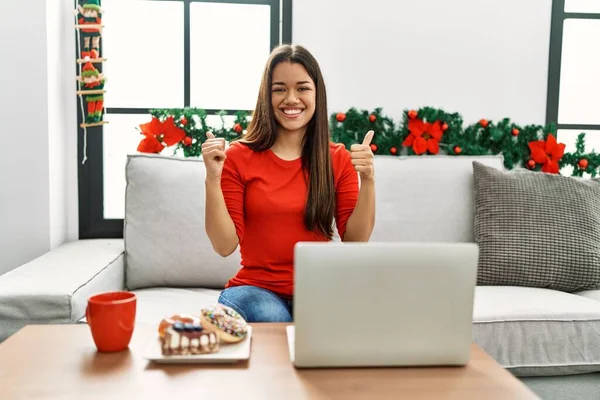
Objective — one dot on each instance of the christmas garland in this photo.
(426, 131)
(430, 131)
(185, 128)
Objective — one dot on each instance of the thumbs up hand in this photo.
(362, 157)
(213, 153)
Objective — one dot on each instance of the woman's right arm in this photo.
(219, 225)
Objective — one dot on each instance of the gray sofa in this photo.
(549, 339)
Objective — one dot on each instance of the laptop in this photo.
(382, 304)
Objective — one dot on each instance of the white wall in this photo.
(482, 59)
(62, 122)
(24, 184)
(38, 167)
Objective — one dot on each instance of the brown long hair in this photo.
(316, 158)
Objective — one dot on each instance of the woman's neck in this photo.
(288, 144)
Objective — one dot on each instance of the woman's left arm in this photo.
(362, 221)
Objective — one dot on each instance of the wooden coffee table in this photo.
(61, 362)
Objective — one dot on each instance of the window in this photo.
(573, 79)
(169, 54)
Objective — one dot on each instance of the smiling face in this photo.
(90, 13)
(293, 96)
(91, 79)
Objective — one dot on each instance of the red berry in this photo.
(341, 117)
(412, 114)
(583, 163)
(237, 128)
(484, 123)
(444, 126)
(393, 150)
(457, 150)
(184, 121)
(373, 147)
(531, 164)
(187, 141)
(515, 132)
(372, 118)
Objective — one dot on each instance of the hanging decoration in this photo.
(88, 24)
(92, 85)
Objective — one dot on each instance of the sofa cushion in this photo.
(54, 288)
(426, 198)
(566, 387)
(590, 294)
(165, 239)
(156, 303)
(536, 229)
(166, 244)
(537, 332)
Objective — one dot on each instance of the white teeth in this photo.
(292, 112)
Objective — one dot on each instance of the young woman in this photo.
(284, 182)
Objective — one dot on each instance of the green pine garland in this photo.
(196, 127)
(357, 123)
(576, 159)
(481, 138)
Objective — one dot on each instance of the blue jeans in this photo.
(257, 304)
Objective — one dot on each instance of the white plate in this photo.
(291, 338)
(228, 353)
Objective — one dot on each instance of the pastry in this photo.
(189, 339)
(229, 324)
(168, 322)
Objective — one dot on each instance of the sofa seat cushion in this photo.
(537, 332)
(590, 294)
(154, 304)
(54, 288)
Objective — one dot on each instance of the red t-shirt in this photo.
(265, 197)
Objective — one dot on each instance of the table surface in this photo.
(61, 362)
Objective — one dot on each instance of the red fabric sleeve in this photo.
(233, 187)
(346, 192)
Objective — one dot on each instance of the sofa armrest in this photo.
(54, 288)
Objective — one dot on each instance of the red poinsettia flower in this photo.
(150, 144)
(158, 134)
(424, 136)
(152, 128)
(547, 153)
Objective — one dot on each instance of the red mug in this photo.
(111, 317)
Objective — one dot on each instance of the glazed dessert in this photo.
(230, 326)
(189, 335)
(168, 322)
(189, 339)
